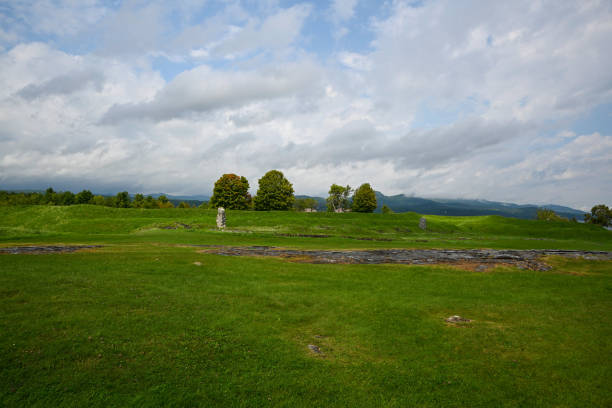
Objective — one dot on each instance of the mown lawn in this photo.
(146, 322)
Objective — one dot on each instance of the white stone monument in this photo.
(221, 218)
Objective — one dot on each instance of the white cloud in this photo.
(203, 89)
(576, 173)
(275, 32)
(56, 17)
(343, 9)
(63, 84)
(355, 61)
(199, 53)
(446, 52)
(462, 100)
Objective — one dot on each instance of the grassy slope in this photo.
(101, 224)
(137, 323)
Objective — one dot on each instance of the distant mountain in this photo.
(401, 203)
(320, 200)
(461, 207)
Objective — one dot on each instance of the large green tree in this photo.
(50, 196)
(364, 199)
(275, 192)
(600, 214)
(122, 200)
(138, 201)
(164, 202)
(231, 192)
(65, 198)
(338, 199)
(84, 197)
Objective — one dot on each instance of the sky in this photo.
(499, 100)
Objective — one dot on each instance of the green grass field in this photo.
(147, 320)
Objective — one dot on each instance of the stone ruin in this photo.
(221, 218)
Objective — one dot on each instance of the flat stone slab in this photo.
(527, 259)
(45, 249)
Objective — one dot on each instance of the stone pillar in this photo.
(221, 218)
(423, 223)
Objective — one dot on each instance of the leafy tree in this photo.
(546, 214)
(50, 196)
(338, 198)
(110, 201)
(150, 203)
(231, 192)
(65, 198)
(183, 204)
(301, 204)
(122, 200)
(163, 202)
(275, 192)
(98, 200)
(36, 198)
(600, 215)
(364, 199)
(139, 201)
(84, 197)
(386, 209)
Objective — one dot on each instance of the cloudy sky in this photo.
(500, 100)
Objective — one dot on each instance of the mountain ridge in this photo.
(461, 207)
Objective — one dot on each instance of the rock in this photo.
(221, 218)
(314, 348)
(423, 223)
(457, 319)
(481, 268)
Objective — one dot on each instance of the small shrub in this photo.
(545, 214)
(386, 209)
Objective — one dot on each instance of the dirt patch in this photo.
(314, 349)
(45, 249)
(479, 259)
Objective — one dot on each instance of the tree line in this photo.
(599, 215)
(120, 200)
(275, 192)
(231, 191)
